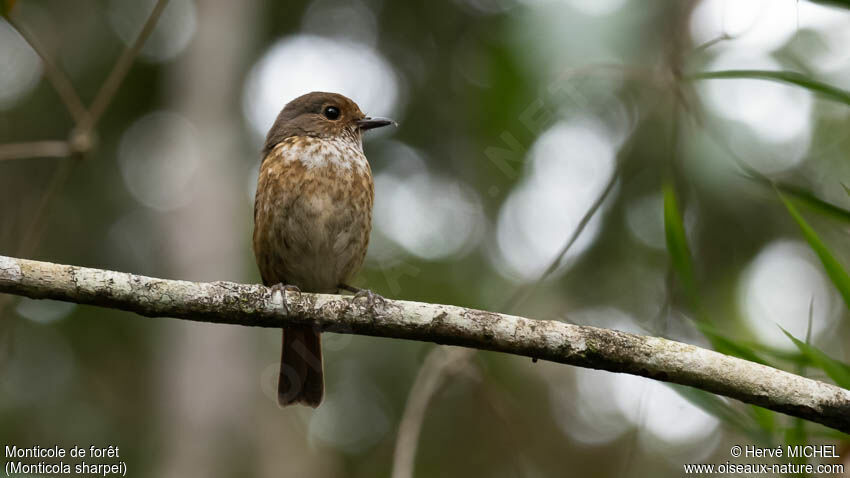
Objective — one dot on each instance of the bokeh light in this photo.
(353, 21)
(353, 417)
(429, 216)
(612, 403)
(20, 67)
(44, 311)
(596, 8)
(303, 63)
(774, 111)
(645, 218)
(159, 155)
(38, 351)
(777, 289)
(172, 33)
(569, 167)
(577, 92)
(757, 25)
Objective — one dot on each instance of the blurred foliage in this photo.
(483, 87)
(790, 77)
(833, 268)
(839, 372)
(677, 243)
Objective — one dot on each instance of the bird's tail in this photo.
(301, 375)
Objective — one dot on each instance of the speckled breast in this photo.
(313, 213)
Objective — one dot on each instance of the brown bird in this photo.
(312, 219)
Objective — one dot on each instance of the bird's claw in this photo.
(283, 289)
(370, 297)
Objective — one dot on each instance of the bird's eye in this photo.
(331, 112)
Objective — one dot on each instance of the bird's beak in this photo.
(374, 122)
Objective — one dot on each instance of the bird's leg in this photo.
(371, 297)
(283, 288)
(349, 288)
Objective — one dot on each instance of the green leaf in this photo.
(819, 205)
(828, 433)
(833, 268)
(677, 242)
(838, 371)
(766, 419)
(680, 256)
(794, 356)
(726, 345)
(811, 320)
(790, 77)
(836, 3)
(797, 436)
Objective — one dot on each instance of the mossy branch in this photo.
(591, 347)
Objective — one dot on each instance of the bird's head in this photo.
(322, 115)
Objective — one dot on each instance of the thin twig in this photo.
(81, 137)
(748, 171)
(32, 236)
(710, 43)
(439, 363)
(431, 373)
(516, 437)
(35, 149)
(432, 369)
(521, 295)
(54, 74)
(630, 72)
(584, 346)
(122, 66)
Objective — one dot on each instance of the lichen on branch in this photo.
(583, 346)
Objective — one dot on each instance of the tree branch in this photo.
(256, 305)
(35, 149)
(57, 77)
(440, 362)
(122, 66)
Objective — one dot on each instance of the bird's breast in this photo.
(312, 213)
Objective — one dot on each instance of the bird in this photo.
(312, 219)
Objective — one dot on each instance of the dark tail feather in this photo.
(301, 376)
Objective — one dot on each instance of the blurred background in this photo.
(516, 117)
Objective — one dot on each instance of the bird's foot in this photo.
(370, 297)
(283, 289)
